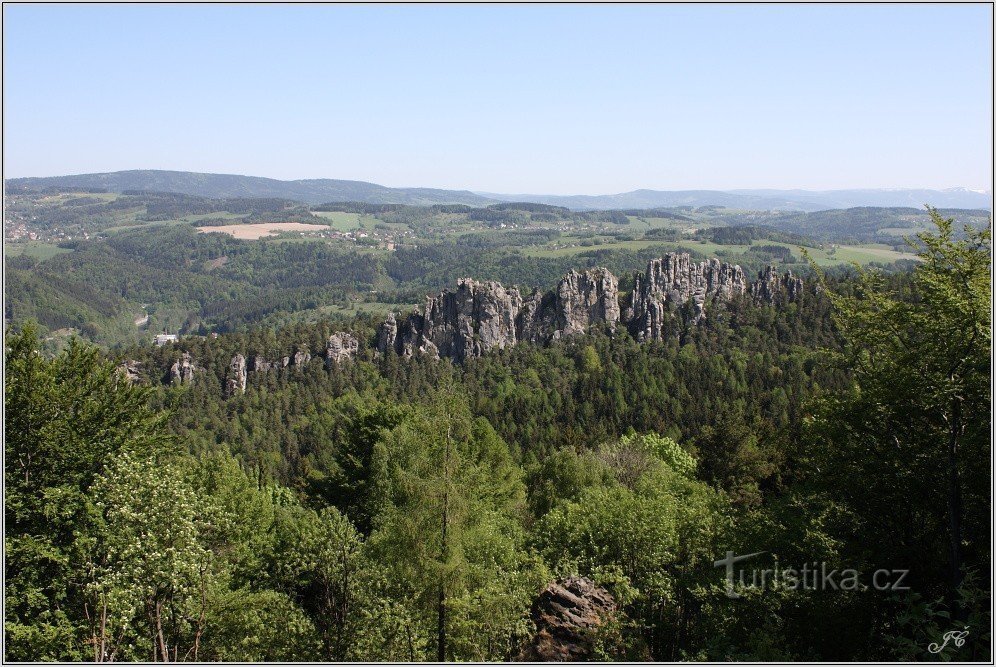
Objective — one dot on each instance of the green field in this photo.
(827, 256)
(37, 249)
(644, 224)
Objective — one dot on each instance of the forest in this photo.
(394, 508)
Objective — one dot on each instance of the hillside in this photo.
(230, 186)
(317, 191)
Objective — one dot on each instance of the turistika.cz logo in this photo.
(813, 576)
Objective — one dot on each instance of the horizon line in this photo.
(485, 193)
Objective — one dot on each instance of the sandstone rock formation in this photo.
(182, 371)
(130, 371)
(774, 289)
(237, 377)
(482, 316)
(674, 280)
(585, 299)
(388, 334)
(458, 324)
(259, 364)
(301, 357)
(567, 615)
(340, 347)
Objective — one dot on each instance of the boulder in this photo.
(568, 615)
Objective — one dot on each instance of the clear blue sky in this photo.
(538, 99)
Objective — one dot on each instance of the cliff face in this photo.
(774, 289)
(182, 371)
(674, 280)
(340, 347)
(586, 299)
(466, 322)
(481, 316)
(236, 382)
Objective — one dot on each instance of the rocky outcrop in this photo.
(340, 347)
(301, 357)
(130, 371)
(458, 324)
(259, 364)
(585, 299)
(182, 371)
(673, 281)
(481, 316)
(776, 289)
(388, 335)
(568, 616)
(236, 382)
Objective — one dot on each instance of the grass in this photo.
(576, 248)
(324, 312)
(37, 249)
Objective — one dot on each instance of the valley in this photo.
(234, 263)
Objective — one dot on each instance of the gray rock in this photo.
(259, 364)
(387, 337)
(340, 347)
(130, 371)
(182, 371)
(478, 317)
(236, 383)
(568, 615)
(675, 280)
(301, 357)
(585, 299)
(774, 289)
(458, 324)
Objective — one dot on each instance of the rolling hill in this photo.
(322, 190)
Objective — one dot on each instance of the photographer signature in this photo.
(957, 635)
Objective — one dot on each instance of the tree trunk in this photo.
(163, 650)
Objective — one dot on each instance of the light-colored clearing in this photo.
(259, 230)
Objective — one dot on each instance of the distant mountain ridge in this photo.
(764, 200)
(323, 190)
(230, 186)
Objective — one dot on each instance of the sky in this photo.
(554, 99)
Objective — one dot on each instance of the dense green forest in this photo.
(412, 509)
